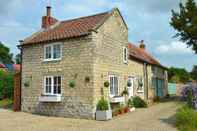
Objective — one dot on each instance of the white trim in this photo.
(125, 60)
(52, 85)
(132, 78)
(52, 50)
(112, 95)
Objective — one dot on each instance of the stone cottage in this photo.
(65, 65)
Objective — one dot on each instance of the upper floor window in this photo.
(52, 52)
(113, 80)
(52, 85)
(125, 55)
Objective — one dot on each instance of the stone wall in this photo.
(76, 64)
(110, 39)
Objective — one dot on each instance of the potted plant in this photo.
(103, 111)
(130, 105)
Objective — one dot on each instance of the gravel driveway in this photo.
(158, 117)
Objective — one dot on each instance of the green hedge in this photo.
(138, 102)
(186, 119)
(6, 84)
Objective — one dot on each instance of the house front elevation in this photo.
(66, 63)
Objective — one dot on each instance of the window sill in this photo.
(50, 98)
(116, 99)
(140, 91)
(51, 60)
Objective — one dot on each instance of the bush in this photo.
(138, 102)
(6, 84)
(72, 84)
(102, 105)
(186, 119)
(130, 103)
(189, 93)
(106, 84)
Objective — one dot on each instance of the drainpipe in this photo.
(21, 56)
(145, 81)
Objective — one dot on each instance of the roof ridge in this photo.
(83, 17)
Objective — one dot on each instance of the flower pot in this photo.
(132, 109)
(103, 115)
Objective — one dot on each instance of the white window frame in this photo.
(52, 85)
(112, 95)
(125, 60)
(52, 51)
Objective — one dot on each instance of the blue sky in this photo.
(146, 19)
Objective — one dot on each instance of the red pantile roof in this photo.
(2, 66)
(17, 67)
(142, 55)
(67, 29)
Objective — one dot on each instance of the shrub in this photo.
(125, 92)
(186, 119)
(130, 103)
(138, 102)
(72, 84)
(6, 84)
(102, 105)
(189, 93)
(106, 84)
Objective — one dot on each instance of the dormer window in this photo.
(125, 55)
(52, 52)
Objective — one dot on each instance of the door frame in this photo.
(132, 78)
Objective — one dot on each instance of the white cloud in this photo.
(175, 47)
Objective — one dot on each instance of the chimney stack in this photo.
(142, 45)
(47, 20)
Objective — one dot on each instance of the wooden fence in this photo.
(17, 92)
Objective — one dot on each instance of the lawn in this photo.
(5, 103)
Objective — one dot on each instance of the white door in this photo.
(131, 86)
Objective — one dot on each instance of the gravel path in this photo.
(159, 117)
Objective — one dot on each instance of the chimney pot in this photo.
(48, 11)
(142, 45)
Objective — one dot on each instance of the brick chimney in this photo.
(48, 20)
(142, 45)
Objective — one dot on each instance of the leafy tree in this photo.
(5, 55)
(18, 59)
(194, 72)
(185, 23)
(178, 75)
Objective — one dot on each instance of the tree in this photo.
(18, 59)
(178, 75)
(185, 23)
(194, 72)
(5, 55)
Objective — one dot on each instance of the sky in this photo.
(147, 20)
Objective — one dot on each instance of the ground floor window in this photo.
(52, 85)
(113, 80)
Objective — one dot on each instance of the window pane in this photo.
(57, 85)
(48, 52)
(111, 85)
(116, 85)
(56, 51)
(48, 85)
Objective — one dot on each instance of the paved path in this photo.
(158, 117)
